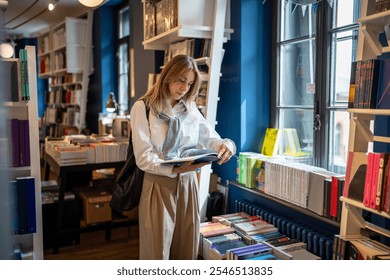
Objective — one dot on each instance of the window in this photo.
(123, 58)
(314, 49)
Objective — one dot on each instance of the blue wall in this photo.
(243, 111)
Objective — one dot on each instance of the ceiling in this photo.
(26, 18)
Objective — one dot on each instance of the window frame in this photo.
(323, 108)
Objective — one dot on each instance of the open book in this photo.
(196, 155)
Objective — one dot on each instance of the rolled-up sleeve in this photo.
(210, 139)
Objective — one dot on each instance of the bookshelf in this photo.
(203, 19)
(361, 135)
(65, 59)
(31, 244)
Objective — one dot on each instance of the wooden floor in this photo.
(93, 246)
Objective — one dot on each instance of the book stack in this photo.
(233, 218)
(69, 155)
(216, 240)
(248, 252)
(219, 251)
(286, 244)
(258, 238)
(254, 227)
(209, 229)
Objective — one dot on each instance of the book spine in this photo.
(15, 142)
(375, 178)
(334, 197)
(21, 192)
(22, 141)
(27, 142)
(31, 207)
(368, 181)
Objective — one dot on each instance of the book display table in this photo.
(63, 173)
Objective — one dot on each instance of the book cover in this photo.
(355, 175)
(196, 155)
(264, 257)
(384, 85)
(249, 251)
(219, 251)
(316, 191)
(303, 254)
(270, 146)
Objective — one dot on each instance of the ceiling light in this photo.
(6, 50)
(52, 5)
(91, 3)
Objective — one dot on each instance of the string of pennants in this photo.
(304, 4)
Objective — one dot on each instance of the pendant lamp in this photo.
(91, 3)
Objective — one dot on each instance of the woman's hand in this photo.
(188, 166)
(224, 153)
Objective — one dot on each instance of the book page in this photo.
(196, 155)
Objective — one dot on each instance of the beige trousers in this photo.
(169, 217)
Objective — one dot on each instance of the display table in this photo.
(62, 173)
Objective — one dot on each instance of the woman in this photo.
(169, 207)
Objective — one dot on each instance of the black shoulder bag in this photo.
(128, 185)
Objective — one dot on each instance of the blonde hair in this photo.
(178, 66)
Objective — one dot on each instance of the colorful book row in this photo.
(370, 84)
(367, 179)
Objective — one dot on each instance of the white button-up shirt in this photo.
(149, 137)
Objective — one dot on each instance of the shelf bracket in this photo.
(371, 34)
(352, 221)
(363, 125)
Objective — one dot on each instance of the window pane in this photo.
(345, 12)
(297, 62)
(297, 22)
(338, 140)
(123, 64)
(124, 23)
(302, 121)
(342, 70)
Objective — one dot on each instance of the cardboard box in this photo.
(96, 206)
